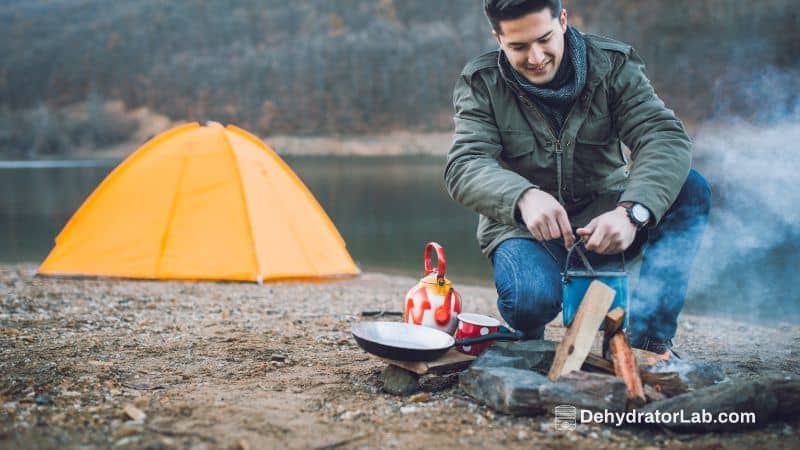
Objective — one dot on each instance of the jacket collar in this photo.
(597, 61)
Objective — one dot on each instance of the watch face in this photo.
(640, 213)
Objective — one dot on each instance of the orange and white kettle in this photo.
(433, 302)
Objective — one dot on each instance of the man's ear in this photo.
(563, 20)
(497, 37)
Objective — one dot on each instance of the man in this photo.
(537, 153)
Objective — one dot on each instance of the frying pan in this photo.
(409, 342)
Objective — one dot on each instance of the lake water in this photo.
(386, 208)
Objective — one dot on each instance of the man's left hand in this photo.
(609, 233)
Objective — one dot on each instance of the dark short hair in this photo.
(498, 10)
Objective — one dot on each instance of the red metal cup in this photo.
(474, 325)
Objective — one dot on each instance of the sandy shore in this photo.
(233, 365)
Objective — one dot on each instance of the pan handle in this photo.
(498, 336)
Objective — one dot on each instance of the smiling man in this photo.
(537, 152)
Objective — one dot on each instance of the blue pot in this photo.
(576, 282)
(575, 286)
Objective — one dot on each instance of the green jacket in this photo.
(503, 145)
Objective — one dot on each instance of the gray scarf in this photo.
(557, 96)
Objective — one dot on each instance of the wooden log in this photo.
(612, 323)
(577, 342)
(452, 361)
(597, 363)
(676, 376)
(625, 367)
(667, 383)
(614, 320)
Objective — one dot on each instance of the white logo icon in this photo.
(566, 418)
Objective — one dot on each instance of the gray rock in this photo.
(773, 396)
(399, 381)
(505, 389)
(537, 354)
(586, 391)
(498, 358)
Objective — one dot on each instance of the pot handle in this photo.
(441, 262)
(497, 336)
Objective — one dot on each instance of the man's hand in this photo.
(610, 233)
(544, 217)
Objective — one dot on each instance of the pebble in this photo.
(350, 415)
(408, 409)
(128, 429)
(127, 441)
(134, 412)
(420, 397)
(43, 399)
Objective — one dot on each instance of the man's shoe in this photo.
(656, 346)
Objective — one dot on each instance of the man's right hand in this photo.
(544, 217)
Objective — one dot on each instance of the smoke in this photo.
(750, 154)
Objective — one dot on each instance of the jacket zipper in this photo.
(559, 153)
(559, 162)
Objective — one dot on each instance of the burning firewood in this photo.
(667, 383)
(625, 367)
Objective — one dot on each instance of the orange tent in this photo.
(201, 202)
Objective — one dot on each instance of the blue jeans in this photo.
(528, 276)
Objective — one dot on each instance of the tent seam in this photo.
(303, 188)
(171, 217)
(245, 205)
(121, 168)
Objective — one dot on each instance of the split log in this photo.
(676, 376)
(625, 367)
(577, 342)
(614, 320)
(667, 383)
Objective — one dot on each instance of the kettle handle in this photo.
(441, 262)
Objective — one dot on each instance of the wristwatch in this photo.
(638, 214)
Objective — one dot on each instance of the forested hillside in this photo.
(346, 66)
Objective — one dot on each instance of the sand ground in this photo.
(236, 365)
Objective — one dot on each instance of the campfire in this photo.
(620, 380)
(536, 376)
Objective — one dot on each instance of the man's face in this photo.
(534, 44)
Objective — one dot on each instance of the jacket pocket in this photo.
(598, 155)
(517, 144)
(595, 131)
